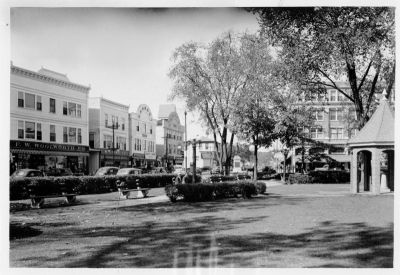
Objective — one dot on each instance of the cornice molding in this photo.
(48, 79)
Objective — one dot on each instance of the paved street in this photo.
(291, 226)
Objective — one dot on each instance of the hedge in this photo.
(320, 177)
(222, 178)
(210, 191)
(23, 188)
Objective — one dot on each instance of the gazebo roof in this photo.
(379, 130)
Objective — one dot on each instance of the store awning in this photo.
(50, 153)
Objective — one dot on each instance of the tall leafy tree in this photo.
(321, 46)
(253, 115)
(209, 78)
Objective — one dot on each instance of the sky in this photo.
(124, 54)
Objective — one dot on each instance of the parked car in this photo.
(129, 171)
(107, 171)
(27, 173)
(158, 170)
(59, 172)
(178, 169)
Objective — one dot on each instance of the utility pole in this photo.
(194, 161)
(113, 149)
(186, 144)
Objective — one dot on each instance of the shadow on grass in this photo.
(20, 231)
(198, 243)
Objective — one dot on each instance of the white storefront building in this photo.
(142, 139)
(108, 133)
(48, 121)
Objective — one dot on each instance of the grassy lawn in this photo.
(291, 226)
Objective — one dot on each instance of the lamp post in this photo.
(113, 149)
(186, 154)
(194, 160)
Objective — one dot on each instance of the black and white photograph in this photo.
(200, 137)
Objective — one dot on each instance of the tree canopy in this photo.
(322, 46)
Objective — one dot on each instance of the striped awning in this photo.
(50, 153)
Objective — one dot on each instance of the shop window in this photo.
(39, 131)
(65, 108)
(71, 109)
(29, 130)
(21, 99)
(79, 136)
(52, 105)
(29, 101)
(39, 103)
(20, 129)
(72, 135)
(79, 110)
(65, 134)
(53, 133)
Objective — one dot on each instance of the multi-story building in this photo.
(334, 125)
(206, 154)
(142, 138)
(48, 121)
(170, 133)
(108, 133)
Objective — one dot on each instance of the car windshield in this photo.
(101, 171)
(123, 172)
(19, 173)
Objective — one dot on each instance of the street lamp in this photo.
(113, 127)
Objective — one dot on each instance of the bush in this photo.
(261, 187)
(210, 191)
(329, 176)
(222, 178)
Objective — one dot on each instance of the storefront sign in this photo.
(117, 152)
(39, 146)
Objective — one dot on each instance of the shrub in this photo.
(210, 191)
(261, 187)
(329, 176)
(222, 178)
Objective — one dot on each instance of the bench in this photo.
(125, 193)
(38, 201)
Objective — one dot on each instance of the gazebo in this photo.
(372, 160)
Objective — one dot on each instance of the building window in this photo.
(79, 136)
(123, 124)
(20, 129)
(52, 105)
(91, 140)
(316, 133)
(333, 95)
(106, 120)
(38, 103)
(72, 135)
(137, 127)
(29, 101)
(335, 114)
(65, 108)
(53, 133)
(151, 130)
(107, 142)
(337, 150)
(71, 109)
(29, 130)
(319, 115)
(21, 99)
(38, 131)
(79, 110)
(65, 134)
(336, 133)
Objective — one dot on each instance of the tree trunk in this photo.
(284, 167)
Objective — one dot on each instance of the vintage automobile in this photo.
(106, 171)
